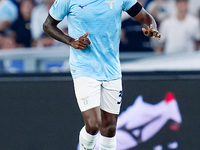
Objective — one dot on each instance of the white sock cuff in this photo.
(108, 141)
(87, 136)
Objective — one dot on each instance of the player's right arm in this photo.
(50, 27)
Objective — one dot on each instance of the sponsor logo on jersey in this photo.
(82, 6)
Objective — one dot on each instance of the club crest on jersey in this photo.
(110, 4)
(55, 3)
(85, 101)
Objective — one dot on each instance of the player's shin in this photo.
(86, 140)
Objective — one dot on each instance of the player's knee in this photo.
(108, 128)
(93, 126)
(111, 129)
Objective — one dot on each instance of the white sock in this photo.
(86, 140)
(107, 143)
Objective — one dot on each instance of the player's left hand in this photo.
(151, 33)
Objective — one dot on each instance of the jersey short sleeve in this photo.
(127, 4)
(59, 9)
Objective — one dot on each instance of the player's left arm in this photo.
(145, 19)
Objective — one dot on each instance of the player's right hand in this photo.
(81, 42)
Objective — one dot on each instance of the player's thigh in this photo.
(111, 96)
(87, 91)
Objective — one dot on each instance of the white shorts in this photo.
(91, 93)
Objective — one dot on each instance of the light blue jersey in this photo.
(8, 11)
(102, 18)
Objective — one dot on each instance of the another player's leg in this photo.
(88, 97)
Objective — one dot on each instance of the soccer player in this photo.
(94, 36)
